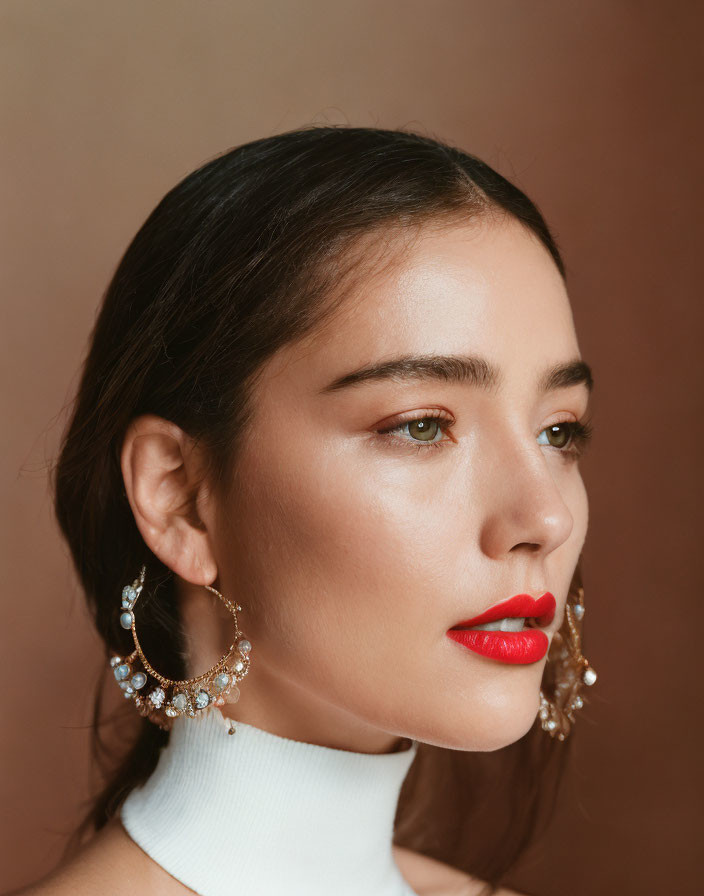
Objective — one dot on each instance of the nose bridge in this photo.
(524, 505)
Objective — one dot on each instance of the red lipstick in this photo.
(526, 646)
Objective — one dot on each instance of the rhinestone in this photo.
(244, 646)
(202, 699)
(115, 661)
(171, 712)
(157, 697)
(589, 676)
(579, 610)
(122, 671)
(578, 702)
(126, 620)
(139, 679)
(551, 725)
(179, 702)
(238, 666)
(129, 593)
(221, 681)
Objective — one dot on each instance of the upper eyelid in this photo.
(412, 416)
(450, 420)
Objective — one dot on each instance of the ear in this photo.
(163, 473)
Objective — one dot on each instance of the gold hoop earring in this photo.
(570, 670)
(166, 699)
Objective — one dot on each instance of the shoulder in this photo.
(429, 877)
(111, 862)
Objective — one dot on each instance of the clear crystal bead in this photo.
(157, 697)
(202, 699)
(139, 679)
(180, 702)
(129, 593)
(171, 712)
(579, 611)
(221, 681)
(244, 646)
(116, 660)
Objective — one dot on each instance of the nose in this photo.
(524, 506)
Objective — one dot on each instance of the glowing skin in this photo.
(352, 552)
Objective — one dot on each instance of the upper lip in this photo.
(542, 610)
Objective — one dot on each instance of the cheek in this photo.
(346, 556)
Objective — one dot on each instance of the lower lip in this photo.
(527, 646)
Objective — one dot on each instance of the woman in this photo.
(333, 403)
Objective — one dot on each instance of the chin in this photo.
(509, 733)
(512, 721)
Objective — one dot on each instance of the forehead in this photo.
(488, 287)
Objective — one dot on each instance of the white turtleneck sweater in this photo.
(256, 813)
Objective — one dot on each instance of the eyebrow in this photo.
(468, 369)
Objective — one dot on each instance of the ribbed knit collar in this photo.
(256, 813)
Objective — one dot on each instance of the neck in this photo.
(260, 811)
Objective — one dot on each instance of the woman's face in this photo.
(356, 536)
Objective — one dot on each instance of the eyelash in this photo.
(580, 433)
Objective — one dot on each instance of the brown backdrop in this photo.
(594, 108)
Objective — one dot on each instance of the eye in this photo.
(570, 437)
(421, 430)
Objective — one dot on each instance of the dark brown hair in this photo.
(242, 257)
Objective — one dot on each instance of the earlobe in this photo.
(163, 475)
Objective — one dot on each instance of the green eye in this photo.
(558, 435)
(570, 437)
(420, 432)
(424, 428)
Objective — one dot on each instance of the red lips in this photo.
(542, 609)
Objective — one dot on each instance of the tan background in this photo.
(594, 108)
